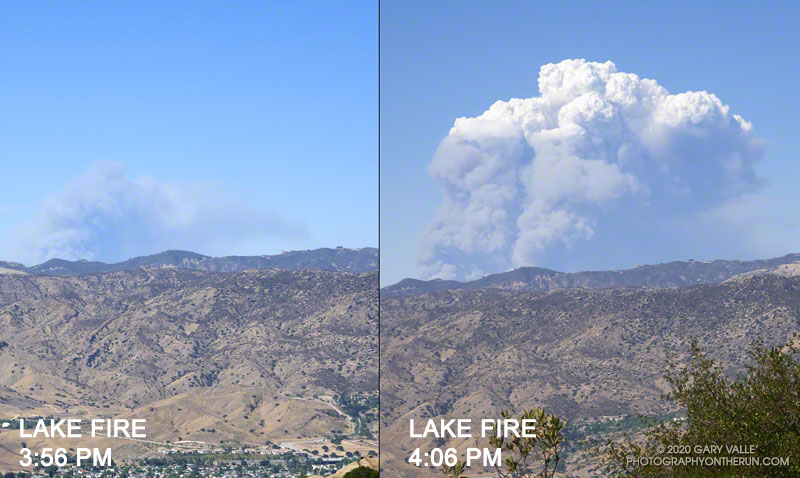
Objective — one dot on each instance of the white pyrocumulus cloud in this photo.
(534, 176)
(102, 214)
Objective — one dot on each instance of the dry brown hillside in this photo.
(235, 358)
(580, 353)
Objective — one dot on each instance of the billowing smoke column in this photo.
(537, 176)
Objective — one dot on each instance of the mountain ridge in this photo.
(656, 276)
(342, 259)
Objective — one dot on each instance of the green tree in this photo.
(758, 410)
(535, 456)
(362, 472)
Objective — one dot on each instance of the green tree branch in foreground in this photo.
(525, 457)
(760, 408)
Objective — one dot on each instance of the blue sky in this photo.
(224, 127)
(444, 60)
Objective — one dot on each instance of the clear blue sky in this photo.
(443, 60)
(268, 108)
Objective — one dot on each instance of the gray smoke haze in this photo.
(104, 215)
(599, 151)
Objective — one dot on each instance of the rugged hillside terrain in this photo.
(581, 353)
(223, 358)
(670, 274)
(340, 259)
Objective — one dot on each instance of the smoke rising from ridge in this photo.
(104, 215)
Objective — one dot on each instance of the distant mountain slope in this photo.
(243, 357)
(340, 259)
(10, 267)
(656, 276)
(583, 354)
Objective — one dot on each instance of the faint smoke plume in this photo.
(530, 180)
(104, 215)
